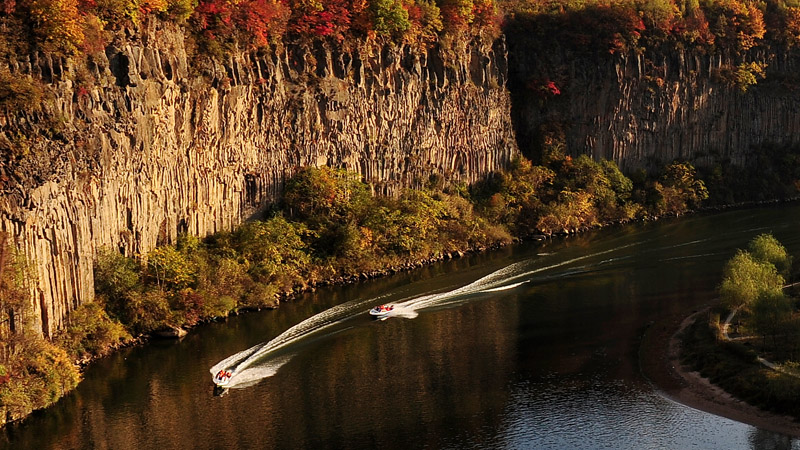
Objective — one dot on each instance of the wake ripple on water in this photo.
(263, 360)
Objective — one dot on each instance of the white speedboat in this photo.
(222, 378)
(381, 311)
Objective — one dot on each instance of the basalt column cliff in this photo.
(151, 148)
(643, 109)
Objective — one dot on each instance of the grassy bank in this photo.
(733, 366)
(766, 324)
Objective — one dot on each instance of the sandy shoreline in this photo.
(685, 386)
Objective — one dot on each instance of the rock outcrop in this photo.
(139, 144)
(640, 110)
(140, 147)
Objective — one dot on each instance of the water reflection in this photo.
(764, 440)
(548, 364)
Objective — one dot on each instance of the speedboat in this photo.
(381, 311)
(222, 378)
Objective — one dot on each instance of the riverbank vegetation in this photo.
(34, 372)
(766, 325)
(329, 227)
(771, 173)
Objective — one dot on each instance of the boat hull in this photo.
(381, 312)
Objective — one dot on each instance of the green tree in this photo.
(770, 312)
(745, 279)
(608, 188)
(767, 249)
(170, 268)
(143, 312)
(572, 211)
(14, 297)
(748, 74)
(275, 251)
(117, 12)
(426, 22)
(115, 275)
(323, 195)
(390, 17)
(659, 17)
(180, 10)
(514, 197)
(679, 189)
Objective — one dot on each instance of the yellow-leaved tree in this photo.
(57, 24)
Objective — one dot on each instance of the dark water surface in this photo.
(483, 363)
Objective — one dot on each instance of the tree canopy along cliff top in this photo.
(84, 26)
(613, 26)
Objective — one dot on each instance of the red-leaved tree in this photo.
(323, 17)
(262, 19)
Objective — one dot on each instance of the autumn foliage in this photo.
(323, 17)
(598, 26)
(618, 25)
(258, 20)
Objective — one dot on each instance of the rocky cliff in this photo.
(139, 144)
(642, 109)
(143, 145)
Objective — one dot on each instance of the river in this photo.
(531, 346)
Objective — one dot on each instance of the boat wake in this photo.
(264, 360)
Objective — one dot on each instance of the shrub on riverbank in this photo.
(35, 376)
(91, 332)
(34, 372)
(330, 226)
(566, 194)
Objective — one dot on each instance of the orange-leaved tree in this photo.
(57, 24)
(737, 24)
(263, 20)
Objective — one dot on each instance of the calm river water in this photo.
(478, 361)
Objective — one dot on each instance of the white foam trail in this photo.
(402, 311)
(261, 361)
(240, 363)
(505, 288)
(679, 258)
(253, 374)
(495, 281)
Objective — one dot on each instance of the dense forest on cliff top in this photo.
(85, 26)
